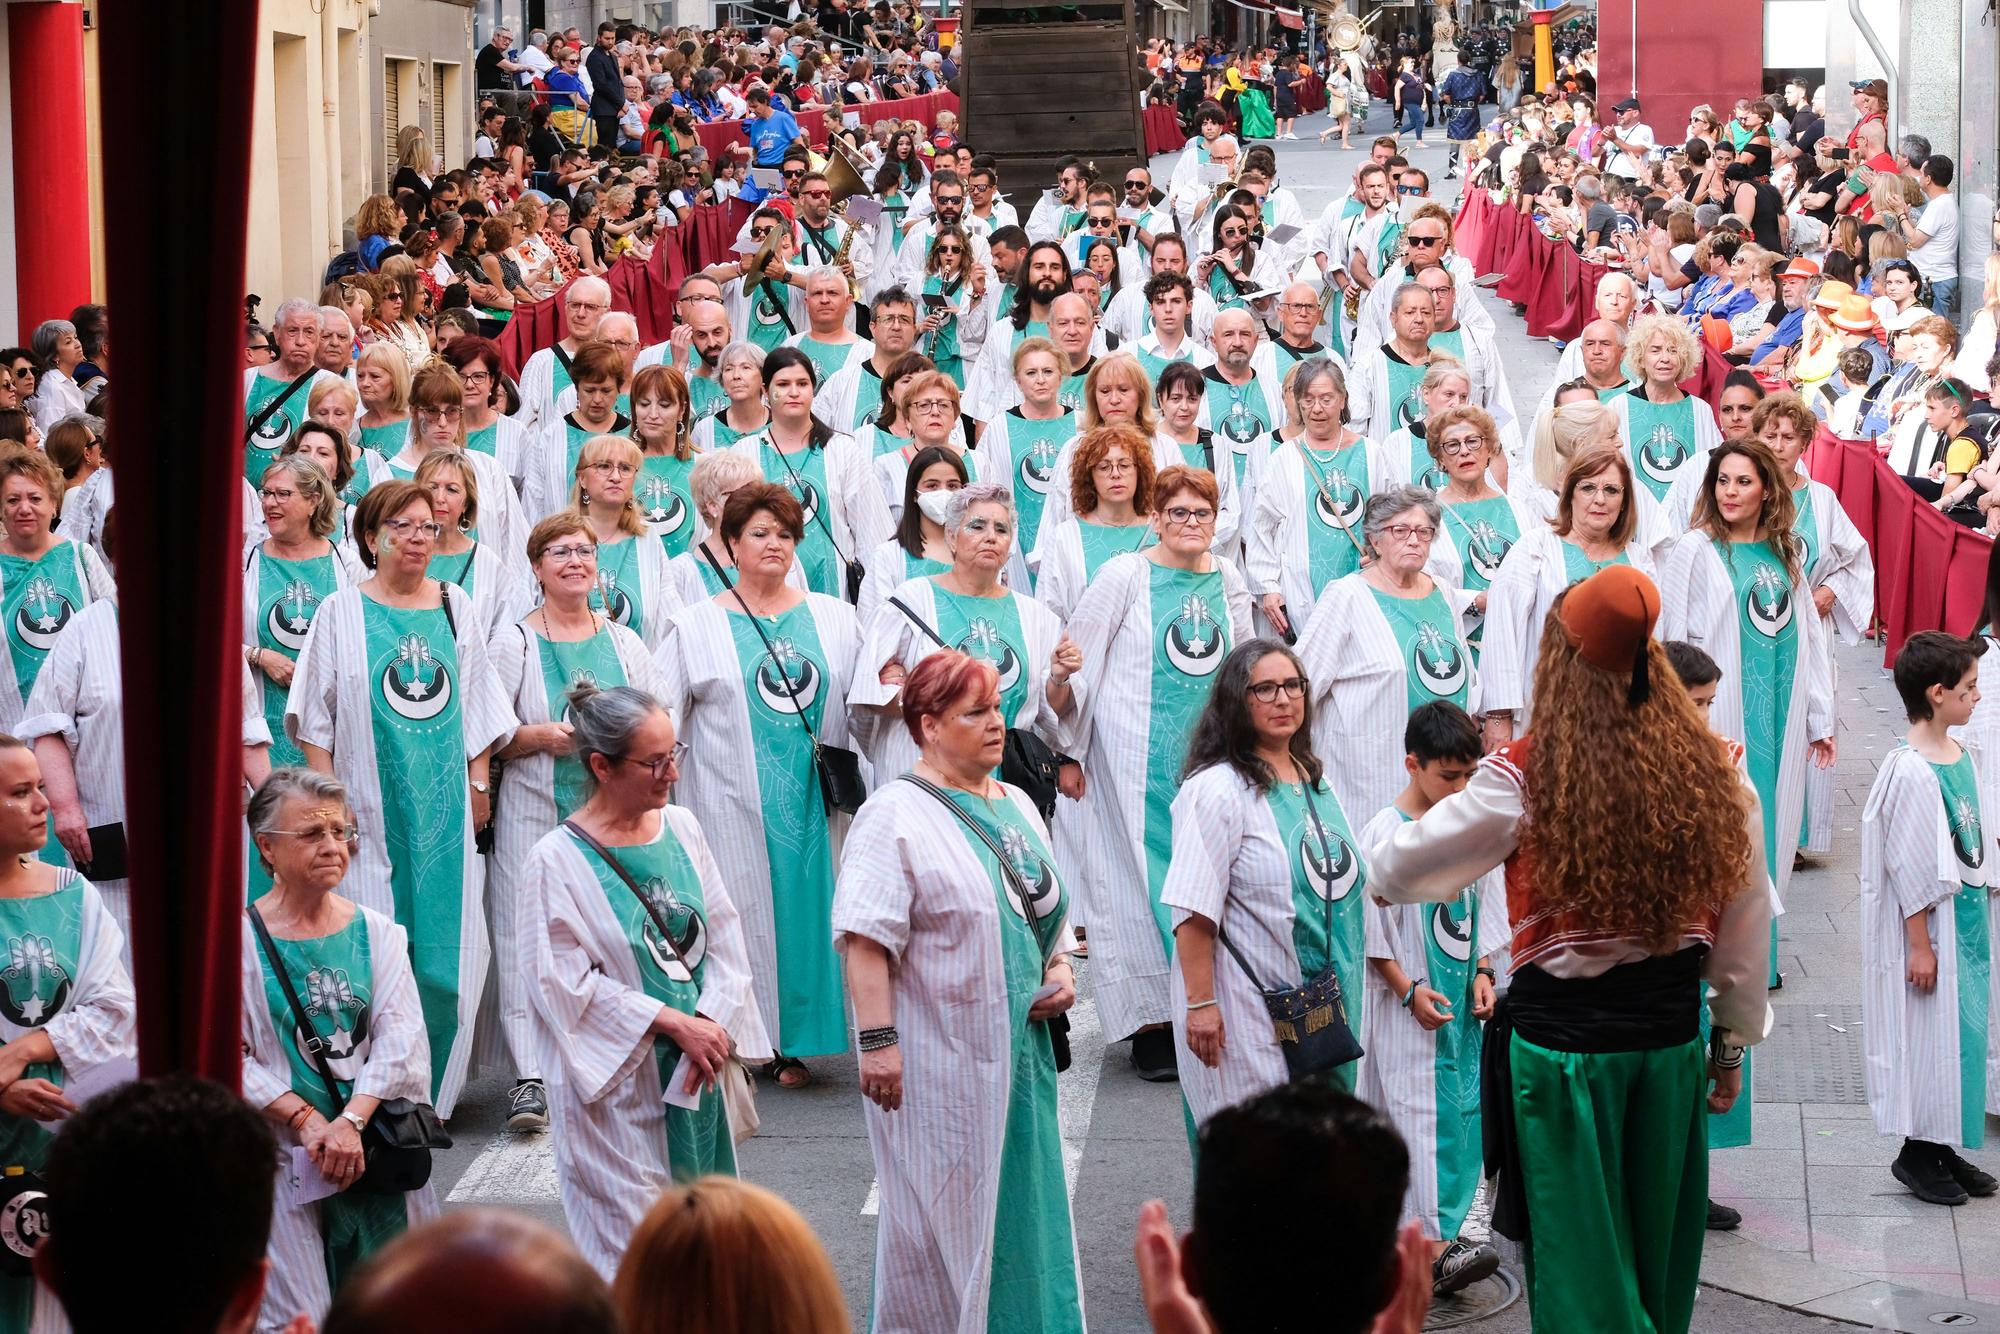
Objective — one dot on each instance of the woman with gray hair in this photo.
(639, 977)
(1304, 530)
(60, 352)
(969, 609)
(740, 372)
(1382, 641)
(349, 968)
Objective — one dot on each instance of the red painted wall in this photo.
(1689, 52)
(51, 173)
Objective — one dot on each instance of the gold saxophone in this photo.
(846, 244)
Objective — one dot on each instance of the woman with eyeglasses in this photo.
(844, 513)
(563, 643)
(927, 402)
(394, 694)
(1408, 456)
(1151, 630)
(1482, 523)
(1262, 850)
(955, 330)
(1596, 520)
(599, 375)
(1116, 392)
(1027, 440)
(382, 378)
(350, 967)
(890, 431)
(1382, 641)
(1669, 431)
(1110, 513)
(633, 585)
(758, 677)
(488, 429)
(639, 976)
(740, 371)
(45, 579)
(437, 402)
(1304, 532)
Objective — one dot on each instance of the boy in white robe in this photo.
(1432, 983)
(1927, 973)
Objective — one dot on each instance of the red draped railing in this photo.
(1930, 573)
(1163, 130)
(718, 137)
(721, 136)
(645, 288)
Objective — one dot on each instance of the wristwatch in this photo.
(481, 786)
(356, 1118)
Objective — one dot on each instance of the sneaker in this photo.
(1722, 1218)
(1922, 1169)
(528, 1106)
(1972, 1179)
(1153, 1056)
(1460, 1266)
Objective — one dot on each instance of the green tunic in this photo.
(1427, 638)
(826, 357)
(1191, 637)
(38, 597)
(804, 475)
(565, 666)
(942, 346)
(485, 440)
(335, 980)
(1032, 1283)
(575, 434)
(1102, 541)
(418, 717)
(1406, 400)
(388, 439)
(769, 314)
(261, 450)
(1578, 567)
(1661, 438)
(1035, 446)
(618, 593)
(667, 500)
(455, 567)
(1768, 639)
(1321, 872)
(988, 629)
(1483, 532)
(1425, 471)
(670, 971)
(1239, 414)
(1971, 917)
(1339, 484)
(812, 1011)
(705, 397)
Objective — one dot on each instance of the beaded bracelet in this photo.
(875, 1039)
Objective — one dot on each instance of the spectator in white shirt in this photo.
(56, 347)
(1633, 140)
(1932, 234)
(487, 142)
(535, 58)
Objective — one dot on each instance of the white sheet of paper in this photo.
(100, 1079)
(1265, 295)
(1282, 233)
(674, 1096)
(767, 178)
(862, 210)
(1213, 173)
(303, 1183)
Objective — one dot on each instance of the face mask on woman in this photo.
(935, 504)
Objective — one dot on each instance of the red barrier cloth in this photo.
(181, 380)
(1163, 130)
(1310, 93)
(720, 136)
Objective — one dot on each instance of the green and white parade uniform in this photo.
(764, 311)
(751, 782)
(1074, 550)
(1927, 847)
(551, 467)
(259, 390)
(889, 568)
(829, 358)
(1242, 415)
(1382, 391)
(666, 500)
(892, 469)
(1152, 637)
(1836, 557)
(1428, 1082)
(62, 975)
(361, 1002)
(503, 441)
(634, 588)
(403, 698)
(598, 976)
(1253, 863)
(1155, 357)
(715, 432)
(539, 791)
(975, 1231)
(500, 595)
(835, 485)
(1305, 532)
(1029, 447)
(39, 597)
(692, 579)
(1473, 541)
(1665, 440)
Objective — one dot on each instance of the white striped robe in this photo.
(1845, 565)
(686, 575)
(1277, 546)
(1909, 1044)
(890, 636)
(1360, 692)
(892, 470)
(510, 448)
(1448, 567)
(95, 579)
(659, 596)
(524, 812)
(702, 689)
(503, 525)
(500, 594)
(1402, 1054)
(910, 882)
(1232, 865)
(1530, 578)
(592, 1028)
(330, 707)
(1698, 603)
(538, 392)
(1059, 561)
(1108, 727)
(397, 1064)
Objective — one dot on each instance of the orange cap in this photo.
(1610, 616)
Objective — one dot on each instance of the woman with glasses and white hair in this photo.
(350, 967)
(757, 679)
(633, 586)
(394, 694)
(1382, 641)
(927, 405)
(437, 404)
(639, 973)
(564, 642)
(1150, 630)
(740, 372)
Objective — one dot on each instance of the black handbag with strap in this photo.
(1028, 762)
(264, 413)
(855, 570)
(1309, 1020)
(839, 768)
(396, 1143)
(1058, 1024)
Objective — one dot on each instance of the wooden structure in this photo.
(1040, 82)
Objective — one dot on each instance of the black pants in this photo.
(607, 131)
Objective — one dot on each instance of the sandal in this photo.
(788, 1072)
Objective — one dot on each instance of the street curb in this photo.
(1738, 1265)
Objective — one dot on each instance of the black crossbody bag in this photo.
(1059, 1024)
(854, 569)
(396, 1143)
(1310, 1020)
(839, 768)
(1028, 762)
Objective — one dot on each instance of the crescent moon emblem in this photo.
(771, 685)
(1450, 933)
(409, 698)
(1196, 657)
(39, 636)
(1333, 878)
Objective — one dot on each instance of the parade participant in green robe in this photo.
(1633, 889)
(382, 378)
(740, 372)
(276, 397)
(662, 428)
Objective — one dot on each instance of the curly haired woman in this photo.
(1633, 883)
